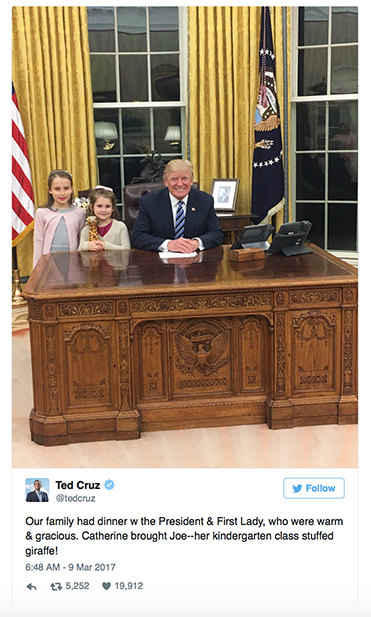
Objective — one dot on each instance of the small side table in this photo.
(232, 225)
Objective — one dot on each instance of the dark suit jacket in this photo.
(155, 221)
(33, 496)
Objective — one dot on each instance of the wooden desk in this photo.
(122, 343)
(232, 225)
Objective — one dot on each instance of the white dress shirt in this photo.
(174, 206)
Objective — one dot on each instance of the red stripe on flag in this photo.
(15, 100)
(20, 211)
(18, 173)
(22, 192)
(14, 234)
(19, 139)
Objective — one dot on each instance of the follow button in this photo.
(314, 488)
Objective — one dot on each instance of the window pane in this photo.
(132, 168)
(310, 176)
(312, 71)
(167, 130)
(101, 29)
(310, 126)
(164, 28)
(106, 128)
(109, 174)
(165, 77)
(133, 78)
(343, 126)
(315, 213)
(131, 28)
(136, 131)
(344, 24)
(166, 159)
(103, 78)
(342, 176)
(313, 25)
(342, 227)
(344, 70)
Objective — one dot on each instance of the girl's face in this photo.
(61, 191)
(103, 210)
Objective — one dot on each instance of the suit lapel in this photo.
(166, 213)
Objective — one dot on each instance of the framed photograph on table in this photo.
(224, 192)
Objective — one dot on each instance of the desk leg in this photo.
(348, 404)
(280, 412)
(128, 419)
(315, 357)
(47, 425)
(81, 381)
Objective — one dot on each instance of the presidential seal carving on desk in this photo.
(201, 347)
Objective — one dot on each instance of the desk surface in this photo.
(132, 271)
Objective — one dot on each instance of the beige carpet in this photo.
(237, 446)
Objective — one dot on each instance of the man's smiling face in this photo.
(179, 183)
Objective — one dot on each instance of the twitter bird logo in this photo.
(297, 488)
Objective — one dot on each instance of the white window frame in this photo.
(349, 256)
(183, 84)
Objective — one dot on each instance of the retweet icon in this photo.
(297, 488)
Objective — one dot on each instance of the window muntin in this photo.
(325, 113)
(137, 88)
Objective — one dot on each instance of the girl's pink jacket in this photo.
(46, 221)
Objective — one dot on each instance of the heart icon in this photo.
(106, 585)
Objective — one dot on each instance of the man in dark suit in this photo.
(37, 494)
(177, 218)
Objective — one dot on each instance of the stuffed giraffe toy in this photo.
(93, 232)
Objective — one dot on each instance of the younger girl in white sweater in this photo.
(113, 234)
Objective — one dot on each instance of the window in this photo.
(325, 123)
(138, 92)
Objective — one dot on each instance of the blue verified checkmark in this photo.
(109, 484)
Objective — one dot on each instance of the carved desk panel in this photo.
(124, 342)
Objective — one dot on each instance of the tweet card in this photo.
(180, 437)
(180, 542)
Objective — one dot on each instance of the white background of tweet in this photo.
(223, 577)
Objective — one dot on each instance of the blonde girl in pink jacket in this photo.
(58, 223)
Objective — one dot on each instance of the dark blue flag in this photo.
(267, 173)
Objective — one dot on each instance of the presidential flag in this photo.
(23, 210)
(267, 173)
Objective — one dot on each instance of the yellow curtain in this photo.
(223, 88)
(51, 77)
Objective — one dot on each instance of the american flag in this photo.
(23, 210)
